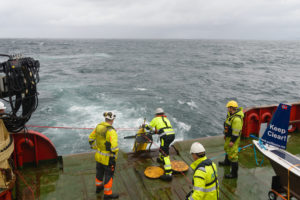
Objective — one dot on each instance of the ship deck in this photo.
(77, 178)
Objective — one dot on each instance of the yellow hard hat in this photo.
(232, 103)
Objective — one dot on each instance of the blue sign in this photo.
(277, 131)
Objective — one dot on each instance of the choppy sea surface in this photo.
(192, 80)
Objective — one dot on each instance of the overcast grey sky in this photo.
(187, 19)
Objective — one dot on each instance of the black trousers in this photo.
(105, 173)
(165, 142)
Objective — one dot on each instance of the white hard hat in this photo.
(2, 107)
(109, 115)
(197, 148)
(159, 110)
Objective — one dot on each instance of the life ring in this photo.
(266, 117)
(20, 150)
(253, 116)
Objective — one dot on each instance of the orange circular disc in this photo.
(153, 172)
(179, 166)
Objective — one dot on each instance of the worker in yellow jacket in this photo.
(104, 139)
(162, 126)
(233, 126)
(205, 178)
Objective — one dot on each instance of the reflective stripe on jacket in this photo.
(205, 181)
(104, 139)
(162, 125)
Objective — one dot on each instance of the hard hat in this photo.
(2, 107)
(159, 110)
(197, 148)
(109, 115)
(232, 104)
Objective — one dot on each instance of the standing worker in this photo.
(163, 127)
(232, 130)
(205, 178)
(104, 139)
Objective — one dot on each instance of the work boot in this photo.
(99, 189)
(160, 161)
(234, 170)
(166, 177)
(226, 162)
(112, 196)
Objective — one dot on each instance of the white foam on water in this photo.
(192, 104)
(127, 123)
(181, 126)
(140, 89)
(81, 116)
(180, 102)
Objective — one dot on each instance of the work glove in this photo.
(112, 161)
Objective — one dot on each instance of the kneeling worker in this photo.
(104, 139)
(205, 180)
(163, 127)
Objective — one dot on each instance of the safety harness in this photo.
(161, 131)
(227, 127)
(108, 144)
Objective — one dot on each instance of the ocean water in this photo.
(192, 80)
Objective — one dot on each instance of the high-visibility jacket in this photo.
(205, 180)
(161, 124)
(232, 129)
(234, 123)
(104, 139)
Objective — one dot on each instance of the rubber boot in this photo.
(166, 177)
(112, 196)
(234, 170)
(226, 162)
(99, 189)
